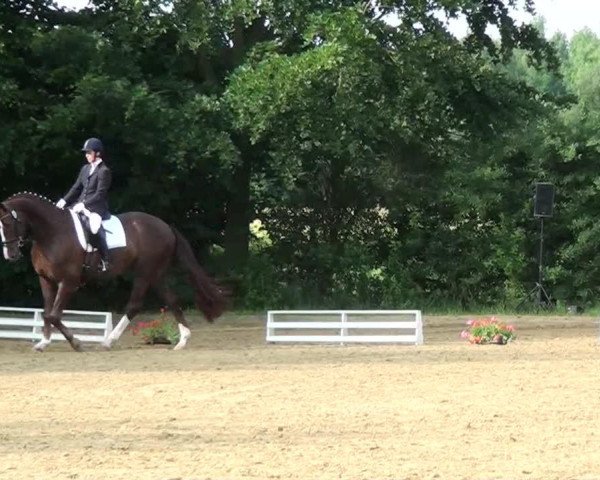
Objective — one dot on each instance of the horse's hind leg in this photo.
(171, 301)
(134, 305)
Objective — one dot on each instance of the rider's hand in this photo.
(78, 207)
(61, 203)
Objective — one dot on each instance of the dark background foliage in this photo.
(314, 154)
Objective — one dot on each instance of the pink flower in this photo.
(487, 330)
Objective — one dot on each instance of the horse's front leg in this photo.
(49, 293)
(63, 295)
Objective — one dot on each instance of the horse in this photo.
(152, 246)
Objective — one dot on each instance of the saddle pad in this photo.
(115, 234)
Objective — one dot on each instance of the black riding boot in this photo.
(103, 249)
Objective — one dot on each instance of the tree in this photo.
(320, 117)
(381, 118)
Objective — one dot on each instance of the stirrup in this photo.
(105, 266)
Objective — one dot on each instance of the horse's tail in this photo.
(211, 299)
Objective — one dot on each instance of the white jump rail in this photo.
(29, 322)
(345, 326)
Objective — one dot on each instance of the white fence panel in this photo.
(27, 323)
(345, 326)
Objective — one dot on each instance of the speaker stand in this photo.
(539, 297)
(538, 294)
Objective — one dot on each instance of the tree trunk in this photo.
(237, 232)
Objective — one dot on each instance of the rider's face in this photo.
(90, 156)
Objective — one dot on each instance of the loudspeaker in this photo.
(544, 200)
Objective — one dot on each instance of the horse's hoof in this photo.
(179, 346)
(77, 345)
(40, 346)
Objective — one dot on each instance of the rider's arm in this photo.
(75, 190)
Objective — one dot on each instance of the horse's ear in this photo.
(14, 214)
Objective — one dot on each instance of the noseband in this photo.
(19, 239)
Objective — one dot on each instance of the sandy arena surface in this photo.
(233, 407)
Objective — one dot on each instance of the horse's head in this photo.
(12, 231)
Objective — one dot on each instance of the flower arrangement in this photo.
(160, 330)
(488, 330)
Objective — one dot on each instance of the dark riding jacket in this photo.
(92, 189)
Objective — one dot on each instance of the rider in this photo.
(90, 192)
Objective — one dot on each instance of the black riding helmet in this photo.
(93, 145)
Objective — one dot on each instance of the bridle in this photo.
(19, 239)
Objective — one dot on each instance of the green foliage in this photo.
(388, 165)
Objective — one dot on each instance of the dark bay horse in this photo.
(58, 258)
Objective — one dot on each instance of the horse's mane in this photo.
(30, 195)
